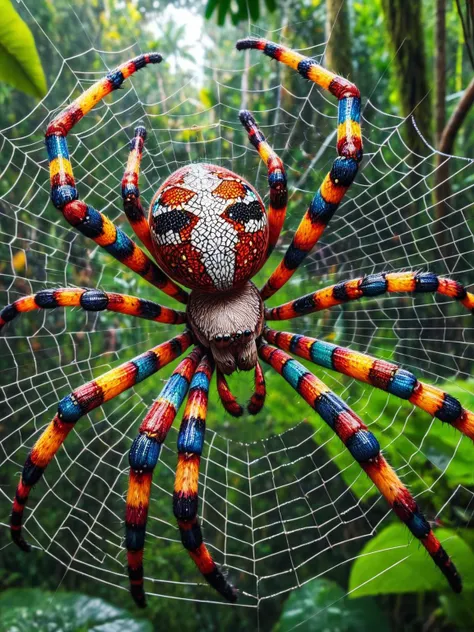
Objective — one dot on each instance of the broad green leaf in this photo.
(458, 610)
(394, 562)
(224, 6)
(210, 8)
(254, 9)
(20, 65)
(323, 605)
(36, 610)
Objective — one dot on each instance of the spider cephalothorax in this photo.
(208, 229)
(228, 323)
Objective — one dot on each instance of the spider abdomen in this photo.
(209, 228)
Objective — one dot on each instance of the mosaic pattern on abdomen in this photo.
(210, 227)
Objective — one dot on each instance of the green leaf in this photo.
(36, 610)
(224, 6)
(20, 65)
(210, 8)
(394, 562)
(458, 610)
(254, 10)
(271, 5)
(323, 605)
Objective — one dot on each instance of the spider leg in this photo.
(343, 170)
(131, 193)
(64, 195)
(384, 375)
(92, 301)
(365, 449)
(258, 398)
(80, 402)
(185, 497)
(371, 285)
(143, 457)
(227, 398)
(276, 179)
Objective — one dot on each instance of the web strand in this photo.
(279, 507)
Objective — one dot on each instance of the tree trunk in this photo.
(445, 135)
(442, 188)
(338, 56)
(449, 134)
(405, 31)
(440, 69)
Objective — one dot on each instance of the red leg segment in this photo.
(258, 398)
(230, 402)
(228, 399)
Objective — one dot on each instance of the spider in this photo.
(208, 230)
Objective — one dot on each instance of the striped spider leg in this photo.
(369, 286)
(143, 457)
(365, 449)
(131, 193)
(87, 220)
(80, 402)
(343, 170)
(92, 301)
(276, 179)
(185, 497)
(384, 375)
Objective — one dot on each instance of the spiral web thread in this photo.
(277, 511)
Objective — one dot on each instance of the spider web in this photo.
(280, 502)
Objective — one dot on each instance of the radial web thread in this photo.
(284, 505)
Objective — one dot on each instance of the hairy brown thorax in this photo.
(228, 324)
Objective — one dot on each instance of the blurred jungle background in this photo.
(302, 532)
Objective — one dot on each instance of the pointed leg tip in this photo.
(140, 130)
(456, 584)
(246, 119)
(155, 58)
(21, 542)
(249, 42)
(233, 594)
(139, 598)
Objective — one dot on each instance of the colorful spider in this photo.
(208, 229)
